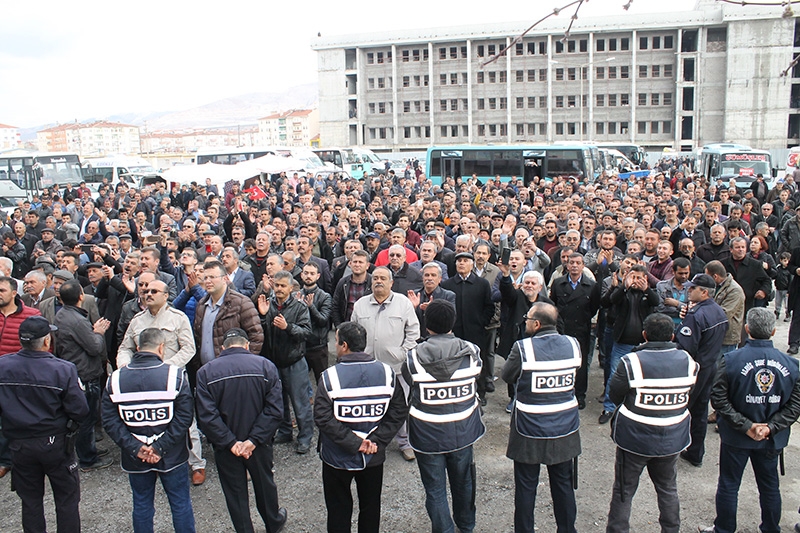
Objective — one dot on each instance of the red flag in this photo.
(255, 193)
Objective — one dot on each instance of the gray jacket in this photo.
(77, 342)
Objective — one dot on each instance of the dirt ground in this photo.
(106, 499)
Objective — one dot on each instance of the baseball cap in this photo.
(372, 235)
(35, 327)
(236, 333)
(702, 280)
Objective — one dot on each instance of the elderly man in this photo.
(36, 289)
(431, 279)
(406, 278)
(242, 279)
(392, 329)
(427, 254)
(474, 311)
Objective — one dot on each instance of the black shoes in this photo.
(793, 349)
(696, 464)
(605, 416)
(283, 515)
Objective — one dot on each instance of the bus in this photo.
(525, 161)
(231, 156)
(728, 161)
(358, 162)
(792, 160)
(115, 168)
(634, 152)
(24, 173)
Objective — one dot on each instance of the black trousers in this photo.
(582, 376)
(663, 473)
(32, 460)
(698, 408)
(526, 480)
(339, 501)
(317, 359)
(233, 478)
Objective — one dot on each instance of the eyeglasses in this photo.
(152, 291)
(143, 283)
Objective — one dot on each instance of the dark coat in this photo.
(285, 347)
(407, 279)
(576, 308)
(438, 294)
(751, 276)
(339, 310)
(474, 308)
(516, 304)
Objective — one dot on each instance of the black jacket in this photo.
(576, 308)
(622, 301)
(320, 314)
(285, 347)
(474, 308)
(339, 308)
(751, 276)
(515, 305)
(238, 397)
(407, 279)
(39, 394)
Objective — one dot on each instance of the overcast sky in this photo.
(61, 61)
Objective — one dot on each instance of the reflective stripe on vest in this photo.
(359, 408)
(638, 380)
(545, 406)
(444, 416)
(170, 393)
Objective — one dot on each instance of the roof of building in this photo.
(287, 114)
(8, 127)
(79, 126)
(706, 12)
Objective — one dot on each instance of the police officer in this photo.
(444, 418)
(756, 394)
(239, 408)
(147, 408)
(651, 426)
(358, 408)
(701, 334)
(544, 419)
(39, 395)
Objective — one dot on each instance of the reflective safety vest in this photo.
(653, 420)
(147, 408)
(545, 406)
(360, 392)
(444, 416)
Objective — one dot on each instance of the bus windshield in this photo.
(734, 165)
(59, 169)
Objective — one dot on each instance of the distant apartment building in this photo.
(663, 80)
(90, 139)
(190, 141)
(9, 137)
(290, 128)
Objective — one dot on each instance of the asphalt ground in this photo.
(106, 498)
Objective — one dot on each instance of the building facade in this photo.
(158, 142)
(9, 137)
(90, 139)
(673, 80)
(289, 128)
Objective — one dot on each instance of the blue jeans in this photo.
(176, 486)
(732, 462)
(460, 468)
(294, 381)
(84, 442)
(617, 352)
(728, 348)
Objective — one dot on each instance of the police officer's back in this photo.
(39, 395)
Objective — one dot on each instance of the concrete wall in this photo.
(333, 114)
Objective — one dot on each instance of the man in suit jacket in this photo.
(242, 279)
(474, 309)
(577, 298)
(36, 290)
(750, 275)
(431, 278)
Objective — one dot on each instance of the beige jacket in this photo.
(730, 297)
(179, 348)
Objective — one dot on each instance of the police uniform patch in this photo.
(686, 331)
(765, 379)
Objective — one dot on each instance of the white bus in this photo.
(24, 173)
(358, 162)
(115, 168)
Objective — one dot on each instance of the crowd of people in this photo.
(169, 317)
